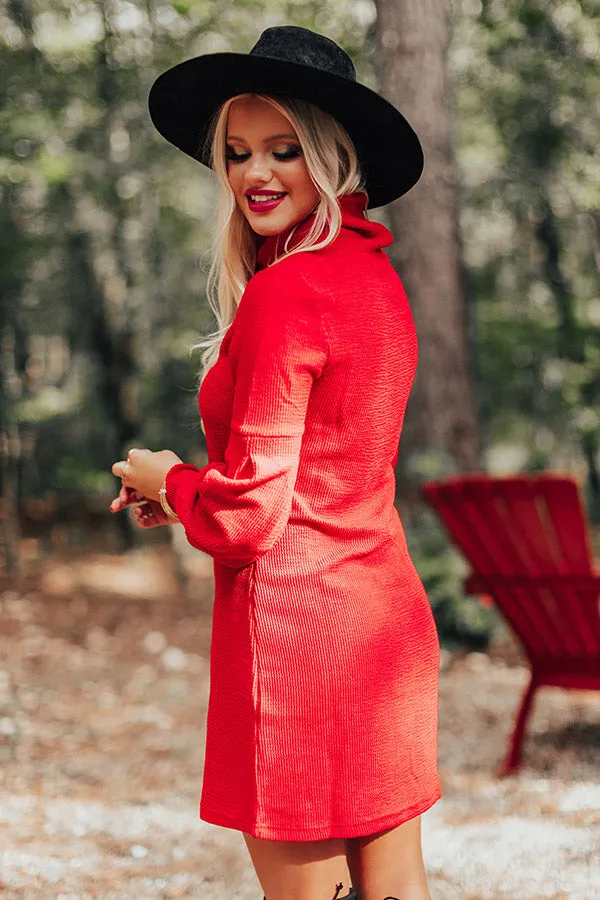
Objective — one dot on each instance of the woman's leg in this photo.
(299, 870)
(389, 864)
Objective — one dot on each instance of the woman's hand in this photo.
(150, 514)
(146, 513)
(145, 471)
(127, 497)
(142, 474)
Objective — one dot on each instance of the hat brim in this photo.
(184, 99)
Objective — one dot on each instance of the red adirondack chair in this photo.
(526, 539)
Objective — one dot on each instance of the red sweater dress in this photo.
(322, 718)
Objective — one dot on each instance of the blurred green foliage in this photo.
(526, 82)
(106, 228)
(106, 233)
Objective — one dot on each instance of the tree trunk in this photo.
(411, 40)
(10, 443)
(9, 456)
(114, 354)
(568, 334)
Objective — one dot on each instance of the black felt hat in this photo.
(288, 61)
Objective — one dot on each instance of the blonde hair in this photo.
(333, 166)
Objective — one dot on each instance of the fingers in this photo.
(146, 513)
(127, 497)
(121, 469)
(146, 516)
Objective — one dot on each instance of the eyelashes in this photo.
(284, 156)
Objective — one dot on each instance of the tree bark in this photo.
(10, 442)
(568, 334)
(411, 41)
(114, 354)
(10, 446)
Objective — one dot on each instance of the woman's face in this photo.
(266, 168)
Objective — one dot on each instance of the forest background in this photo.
(106, 234)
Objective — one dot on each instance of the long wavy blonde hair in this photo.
(333, 166)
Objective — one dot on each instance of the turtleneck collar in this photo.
(353, 219)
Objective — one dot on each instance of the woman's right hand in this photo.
(146, 513)
(150, 514)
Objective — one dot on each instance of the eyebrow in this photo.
(273, 137)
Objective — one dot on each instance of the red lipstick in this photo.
(264, 205)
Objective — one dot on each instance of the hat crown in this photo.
(293, 44)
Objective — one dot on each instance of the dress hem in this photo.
(360, 829)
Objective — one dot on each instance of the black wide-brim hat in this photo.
(288, 61)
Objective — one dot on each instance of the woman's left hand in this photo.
(144, 471)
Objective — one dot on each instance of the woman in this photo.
(322, 722)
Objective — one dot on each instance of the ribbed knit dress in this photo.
(323, 708)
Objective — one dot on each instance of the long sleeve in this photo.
(236, 510)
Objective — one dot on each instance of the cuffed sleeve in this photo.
(235, 510)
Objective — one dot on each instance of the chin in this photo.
(268, 230)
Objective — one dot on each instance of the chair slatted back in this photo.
(526, 539)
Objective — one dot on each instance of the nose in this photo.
(258, 169)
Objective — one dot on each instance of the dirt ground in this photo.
(103, 689)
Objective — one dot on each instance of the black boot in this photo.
(350, 896)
